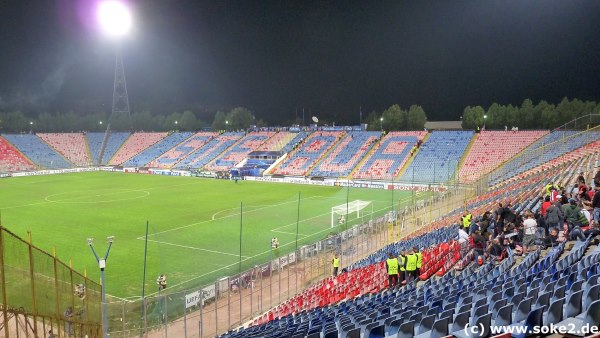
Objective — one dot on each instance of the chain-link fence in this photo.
(40, 293)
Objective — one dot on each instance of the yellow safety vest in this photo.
(392, 264)
(548, 189)
(419, 259)
(467, 220)
(411, 262)
(402, 258)
(336, 262)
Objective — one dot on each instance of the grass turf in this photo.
(194, 232)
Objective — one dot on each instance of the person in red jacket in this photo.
(545, 205)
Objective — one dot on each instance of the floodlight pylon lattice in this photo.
(348, 208)
(120, 98)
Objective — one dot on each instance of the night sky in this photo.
(276, 57)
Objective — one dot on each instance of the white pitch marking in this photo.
(194, 248)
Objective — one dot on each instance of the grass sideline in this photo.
(194, 232)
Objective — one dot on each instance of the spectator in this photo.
(495, 249)
(545, 205)
(478, 242)
(597, 176)
(485, 223)
(572, 212)
(463, 237)
(579, 233)
(529, 227)
(596, 203)
(581, 178)
(69, 321)
(552, 239)
(51, 334)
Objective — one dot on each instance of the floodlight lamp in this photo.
(90, 241)
(114, 18)
(110, 239)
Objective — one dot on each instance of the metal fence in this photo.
(40, 293)
(231, 301)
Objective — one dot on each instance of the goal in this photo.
(346, 209)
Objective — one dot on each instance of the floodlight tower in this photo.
(115, 20)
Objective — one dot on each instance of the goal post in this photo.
(347, 209)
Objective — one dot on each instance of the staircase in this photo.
(103, 146)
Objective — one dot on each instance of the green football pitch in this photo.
(194, 223)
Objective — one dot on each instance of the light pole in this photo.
(176, 122)
(226, 125)
(484, 117)
(102, 265)
(31, 127)
(381, 123)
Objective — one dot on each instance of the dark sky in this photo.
(330, 57)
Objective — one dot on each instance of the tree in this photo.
(394, 118)
(188, 121)
(219, 121)
(143, 121)
(240, 118)
(527, 114)
(372, 121)
(172, 121)
(416, 118)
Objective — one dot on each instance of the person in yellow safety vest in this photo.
(391, 265)
(548, 188)
(336, 264)
(419, 261)
(402, 273)
(466, 220)
(411, 266)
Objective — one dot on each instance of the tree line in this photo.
(17, 122)
(528, 115)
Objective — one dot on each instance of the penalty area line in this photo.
(195, 248)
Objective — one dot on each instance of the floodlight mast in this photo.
(115, 20)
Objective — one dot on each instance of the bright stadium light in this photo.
(114, 18)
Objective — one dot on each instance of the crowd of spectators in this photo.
(566, 214)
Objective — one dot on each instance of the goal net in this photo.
(341, 212)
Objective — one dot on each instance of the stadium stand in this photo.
(346, 154)
(71, 145)
(239, 151)
(491, 148)
(38, 151)
(558, 286)
(438, 158)
(277, 142)
(11, 159)
(115, 141)
(551, 146)
(210, 150)
(143, 158)
(182, 150)
(291, 145)
(134, 145)
(306, 155)
(388, 156)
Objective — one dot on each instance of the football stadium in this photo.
(140, 224)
